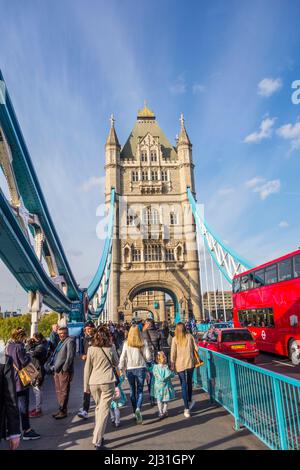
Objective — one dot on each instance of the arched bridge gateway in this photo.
(31, 248)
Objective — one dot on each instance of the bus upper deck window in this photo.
(285, 269)
(244, 282)
(297, 266)
(236, 285)
(271, 274)
(259, 278)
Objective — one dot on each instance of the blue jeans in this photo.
(186, 381)
(23, 405)
(136, 379)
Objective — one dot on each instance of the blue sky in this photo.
(227, 65)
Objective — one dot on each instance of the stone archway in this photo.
(179, 299)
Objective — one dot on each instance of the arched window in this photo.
(126, 254)
(173, 218)
(136, 254)
(164, 175)
(144, 157)
(152, 253)
(154, 175)
(179, 253)
(134, 176)
(144, 175)
(153, 156)
(170, 254)
(150, 216)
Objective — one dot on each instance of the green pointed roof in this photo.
(141, 128)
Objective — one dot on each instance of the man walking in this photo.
(63, 367)
(89, 331)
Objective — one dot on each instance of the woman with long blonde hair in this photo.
(133, 359)
(182, 360)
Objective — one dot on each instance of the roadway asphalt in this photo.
(279, 364)
(210, 426)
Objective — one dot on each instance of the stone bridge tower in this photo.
(154, 246)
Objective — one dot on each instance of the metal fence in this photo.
(266, 403)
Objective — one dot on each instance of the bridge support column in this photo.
(35, 300)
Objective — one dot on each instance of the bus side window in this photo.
(285, 269)
(244, 283)
(271, 274)
(259, 278)
(236, 285)
(297, 266)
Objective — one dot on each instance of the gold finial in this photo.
(146, 112)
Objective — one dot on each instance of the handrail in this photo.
(265, 402)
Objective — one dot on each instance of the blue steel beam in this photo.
(30, 189)
(18, 255)
(95, 283)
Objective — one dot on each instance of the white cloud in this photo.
(92, 182)
(198, 88)
(263, 187)
(254, 182)
(225, 191)
(268, 86)
(265, 131)
(283, 224)
(179, 86)
(292, 133)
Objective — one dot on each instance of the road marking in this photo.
(284, 364)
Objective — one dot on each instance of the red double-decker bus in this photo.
(266, 300)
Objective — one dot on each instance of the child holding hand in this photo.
(161, 387)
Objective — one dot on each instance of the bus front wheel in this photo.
(294, 352)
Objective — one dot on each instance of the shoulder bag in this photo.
(115, 371)
(28, 374)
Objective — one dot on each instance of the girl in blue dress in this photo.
(118, 401)
(161, 386)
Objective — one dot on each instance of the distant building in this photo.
(214, 303)
(10, 314)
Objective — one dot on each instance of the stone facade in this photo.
(154, 246)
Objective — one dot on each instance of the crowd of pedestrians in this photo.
(139, 352)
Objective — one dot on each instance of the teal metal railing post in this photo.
(280, 415)
(209, 376)
(235, 397)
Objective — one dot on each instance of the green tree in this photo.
(7, 325)
(45, 323)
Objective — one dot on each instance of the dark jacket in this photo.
(38, 353)
(153, 337)
(20, 359)
(9, 411)
(65, 355)
(164, 334)
(87, 342)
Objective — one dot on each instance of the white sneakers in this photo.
(187, 413)
(83, 414)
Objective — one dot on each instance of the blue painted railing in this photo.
(266, 403)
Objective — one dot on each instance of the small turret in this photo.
(183, 136)
(112, 138)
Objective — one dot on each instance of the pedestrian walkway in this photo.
(210, 426)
